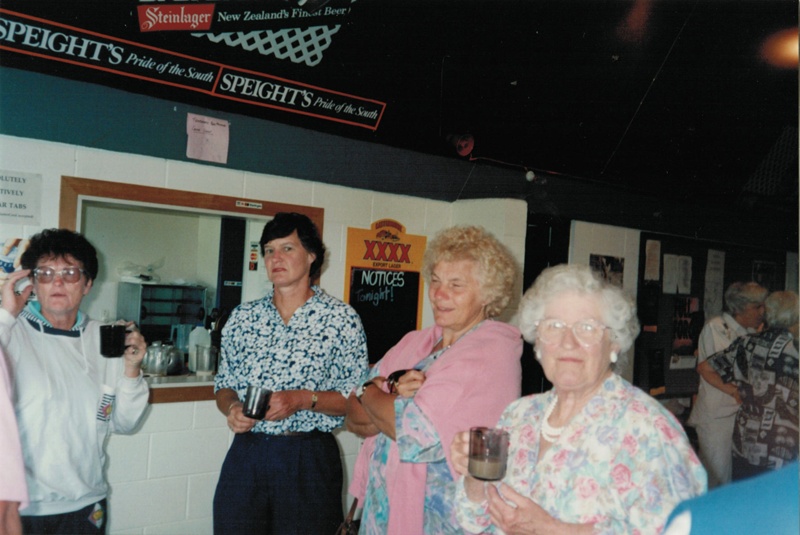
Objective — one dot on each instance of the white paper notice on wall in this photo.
(652, 261)
(207, 138)
(713, 291)
(677, 274)
(20, 198)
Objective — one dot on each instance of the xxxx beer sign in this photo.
(383, 283)
(385, 245)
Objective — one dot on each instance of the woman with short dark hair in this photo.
(69, 397)
(283, 473)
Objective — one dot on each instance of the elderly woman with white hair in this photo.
(595, 454)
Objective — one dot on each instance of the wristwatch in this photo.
(361, 389)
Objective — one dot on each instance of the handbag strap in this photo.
(352, 511)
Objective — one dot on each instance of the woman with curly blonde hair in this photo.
(457, 374)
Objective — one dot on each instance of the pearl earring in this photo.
(538, 353)
(614, 356)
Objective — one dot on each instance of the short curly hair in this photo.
(497, 269)
(781, 310)
(60, 243)
(619, 310)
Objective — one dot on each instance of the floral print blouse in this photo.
(418, 442)
(623, 463)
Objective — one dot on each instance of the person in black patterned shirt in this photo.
(761, 372)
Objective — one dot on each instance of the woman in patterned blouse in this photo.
(283, 472)
(594, 454)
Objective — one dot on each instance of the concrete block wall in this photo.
(163, 476)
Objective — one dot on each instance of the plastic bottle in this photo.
(198, 337)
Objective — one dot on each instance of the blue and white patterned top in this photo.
(323, 348)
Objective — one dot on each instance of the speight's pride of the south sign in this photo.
(225, 54)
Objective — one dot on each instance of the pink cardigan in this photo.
(469, 385)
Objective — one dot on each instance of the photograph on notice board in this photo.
(611, 268)
(10, 256)
(10, 261)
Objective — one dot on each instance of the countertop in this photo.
(179, 388)
(179, 380)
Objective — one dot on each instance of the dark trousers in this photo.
(91, 520)
(280, 485)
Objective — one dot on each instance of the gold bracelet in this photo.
(231, 406)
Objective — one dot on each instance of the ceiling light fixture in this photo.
(780, 49)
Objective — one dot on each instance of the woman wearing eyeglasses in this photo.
(594, 454)
(68, 396)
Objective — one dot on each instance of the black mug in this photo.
(391, 381)
(112, 340)
(256, 402)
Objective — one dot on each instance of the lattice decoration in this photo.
(767, 178)
(304, 45)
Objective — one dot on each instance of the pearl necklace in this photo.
(550, 433)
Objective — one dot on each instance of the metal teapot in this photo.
(174, 358)
(153, 362)
(162, 359)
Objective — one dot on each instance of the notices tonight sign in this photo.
(383, 282)
(32, 36)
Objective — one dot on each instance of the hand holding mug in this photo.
(237, 421)
(135, 345)
(123, 339)
(405, 382)
(459, 453)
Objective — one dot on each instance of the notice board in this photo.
(681, 284)
(383, 282)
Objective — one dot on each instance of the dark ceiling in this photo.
(668, 102)
(666, 98)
